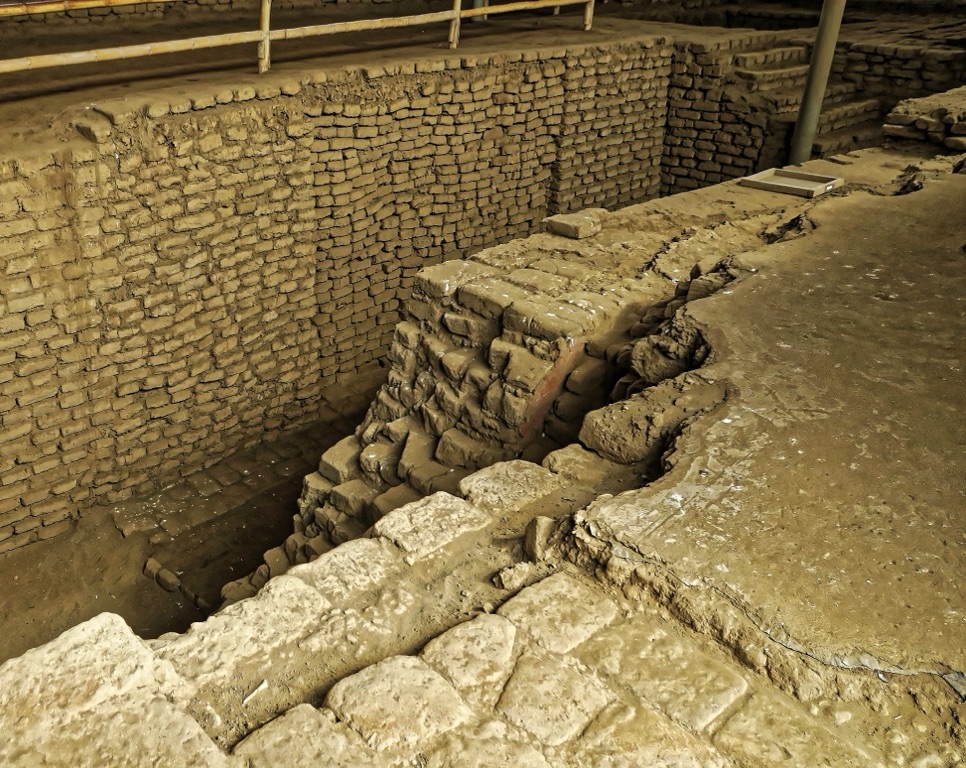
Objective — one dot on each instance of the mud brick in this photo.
(489, 297)
(457, 449)
(549, 319)
(353, 498)
(538, 281)
(475, 329)
(440, 281)
(524, 372)
(340, 463)
(395, 497)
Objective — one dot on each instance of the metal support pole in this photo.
(265, 44)
(818, 72)
(454, 26)
(480, 4)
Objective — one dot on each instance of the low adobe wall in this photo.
(188, 280)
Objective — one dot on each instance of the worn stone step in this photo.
(772, 57)
(867, 134)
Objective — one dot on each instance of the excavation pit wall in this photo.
(406, 613)
(192, 268)
(189, 278)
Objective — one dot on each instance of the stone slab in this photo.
(508, 486)
(772, 730)
(398, 703)
(552, 698)
(560, 612)
(665, 668)
(426, 526)
(631, 736)
(246, 632)
(491, 744)
(97, 696)
(478, 653)
(351, 570)
(305, 736)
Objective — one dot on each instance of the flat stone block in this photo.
(213, 650)
(560, 612)
(551, 698)
(664, 668)
(491, 744)
(97, 696)
(477, 653)
(351, 569)
(306, 736)
(508, 486)
(771, 730)
(625, 736)
(398, 703)
(578, 225)
(426, 526)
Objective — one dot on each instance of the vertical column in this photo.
(265, 44)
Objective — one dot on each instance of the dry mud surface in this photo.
(825, 496)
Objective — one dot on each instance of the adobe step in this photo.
(787, 103)
(848, 114)
(772, 57)
(773, 79)
(867, 134)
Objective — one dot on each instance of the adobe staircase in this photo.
(776, 76)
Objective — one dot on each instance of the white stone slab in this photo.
(304, 736)
(351, 569)
(476, 653)
(283, 612)
(97, 697)
(560, 612)
(508, 486)
(398, 703)
(428, 525)
(552, 698)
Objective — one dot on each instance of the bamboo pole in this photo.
(294, 33)
(60, 6)
(526, 5)
(127, 51)
(454, 25)
(265, 44)
(588, 15)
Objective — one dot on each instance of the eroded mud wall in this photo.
(194, 276)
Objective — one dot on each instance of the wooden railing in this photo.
(264, 35)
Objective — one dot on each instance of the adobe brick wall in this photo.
(188, 280)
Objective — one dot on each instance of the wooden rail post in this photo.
(588, 15)
(454, 25)
(265, 44)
